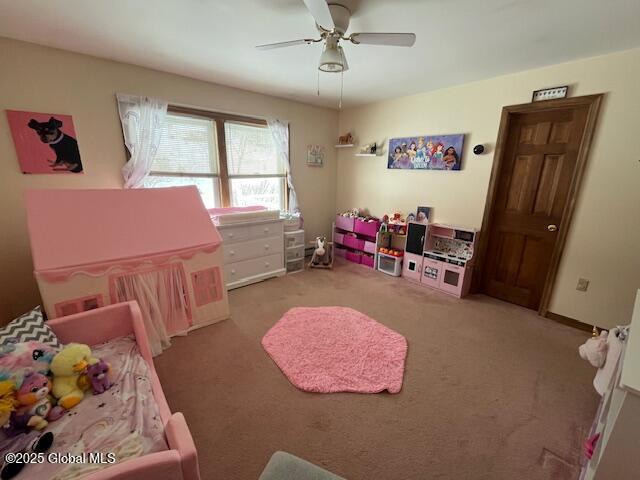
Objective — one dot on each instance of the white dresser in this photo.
(617, 452)
(253, 251)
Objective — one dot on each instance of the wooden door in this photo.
(536, 181)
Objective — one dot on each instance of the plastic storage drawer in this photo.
(294, 239)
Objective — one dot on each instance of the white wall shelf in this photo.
(345, 145)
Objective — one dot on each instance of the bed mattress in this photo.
(123, 421)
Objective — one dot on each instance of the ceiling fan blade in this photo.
(321, 13)
(270, 46)
(391, 39)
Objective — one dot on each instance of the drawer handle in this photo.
(233, 272)
(232, 252)
(231, 235)
(266, 247)
(266, 264)
(266, 229)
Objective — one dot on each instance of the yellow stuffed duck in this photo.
(68, 367)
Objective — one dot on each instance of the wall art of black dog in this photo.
(64, 146)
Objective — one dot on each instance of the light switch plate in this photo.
(582, 285)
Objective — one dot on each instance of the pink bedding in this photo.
(125, 420)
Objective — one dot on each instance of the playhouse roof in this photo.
(93, 230)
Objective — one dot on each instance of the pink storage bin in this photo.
(366, 228)
(353, 257)
(368, 260)
(369, 247)
(338, 238)
(353, 242)
(340, 251)
(344, 223)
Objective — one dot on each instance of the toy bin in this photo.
(370, 229)
(338, 238)
(353, 242)
(345, 223)
(368, 260)
(353, 257)
(369, 247)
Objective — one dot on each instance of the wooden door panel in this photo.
(532, 190)
(548, 184)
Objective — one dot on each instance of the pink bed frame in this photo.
(180, 462)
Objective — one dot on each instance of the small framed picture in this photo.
(315, 155)
(550, 93)
(422, 214)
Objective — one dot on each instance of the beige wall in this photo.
(53, 81)
(604, 239)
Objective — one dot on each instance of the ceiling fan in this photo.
(332, 21)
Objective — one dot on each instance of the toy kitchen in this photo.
(440, 256)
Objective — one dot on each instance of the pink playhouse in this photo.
(157, 246)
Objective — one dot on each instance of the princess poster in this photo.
(426, 152)
(45, 143)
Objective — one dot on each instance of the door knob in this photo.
(552, 228)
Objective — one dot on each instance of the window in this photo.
(232, 160)
(188, 156)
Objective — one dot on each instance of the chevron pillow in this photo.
(28, 327)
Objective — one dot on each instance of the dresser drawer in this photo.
(237, 233)
(265, 230)
(239, 251)
(237, 271)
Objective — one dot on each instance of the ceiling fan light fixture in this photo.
(332, 59)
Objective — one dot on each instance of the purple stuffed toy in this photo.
(98, 374)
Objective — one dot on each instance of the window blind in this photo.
(250, 150)
(188, 145)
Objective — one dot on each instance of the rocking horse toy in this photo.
(323, 253)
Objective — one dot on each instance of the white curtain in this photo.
(142, 120)
(280, 132)
(161, 295)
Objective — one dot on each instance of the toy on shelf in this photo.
(345, 140)
(322, 254)
(395, 223)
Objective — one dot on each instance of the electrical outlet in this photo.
(582, 285)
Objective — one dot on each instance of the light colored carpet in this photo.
(491, 391)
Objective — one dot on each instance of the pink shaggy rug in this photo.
(336, 349)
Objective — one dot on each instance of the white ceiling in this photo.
(458, 41)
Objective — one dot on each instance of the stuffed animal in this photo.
(34, 400)
(98, 375)
(8, 401)
(17, 360)
(67, 367)
(595, 349)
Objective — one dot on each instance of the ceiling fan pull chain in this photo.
(341, 88)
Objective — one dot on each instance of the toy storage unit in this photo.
(355, 240)
(294, 250)
(447, 261)
(253, 251)
(97, 247)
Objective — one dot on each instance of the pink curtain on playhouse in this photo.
(163, 300)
